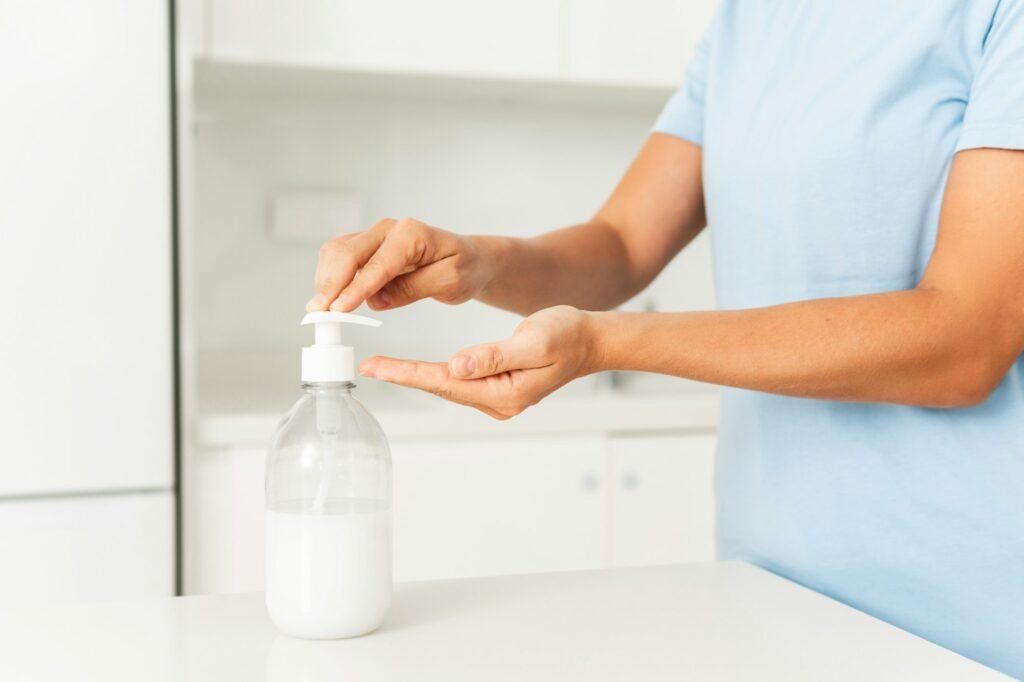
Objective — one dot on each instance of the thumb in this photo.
(518, 352)
(424, 282)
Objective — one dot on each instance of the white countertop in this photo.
(720, 621)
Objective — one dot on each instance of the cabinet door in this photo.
(223, 521)
(87, 548)
(86, 399)
(498, 506)
(481, 37)
(634, 41)
(662, 503)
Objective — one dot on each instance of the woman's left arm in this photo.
(946, 343)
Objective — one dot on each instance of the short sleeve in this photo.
(683, 115)
(995, 108)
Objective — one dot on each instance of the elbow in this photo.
(968, 382)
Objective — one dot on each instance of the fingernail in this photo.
(366, 371)
(339, 304)
(318, 302)
(383, 298)
(463, 365)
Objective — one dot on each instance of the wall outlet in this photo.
(312, 216)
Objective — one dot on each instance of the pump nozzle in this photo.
(328, 359)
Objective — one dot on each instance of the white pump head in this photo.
(328, 359)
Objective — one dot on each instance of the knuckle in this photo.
(415, 248)
(444, 392)
(332, 275)
(491, 359)
(413, 236)
(375, 270)
(400, 290)
(329, 248)
(403, 228)
(408, 224)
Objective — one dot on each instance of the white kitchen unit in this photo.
(712, 622)
(458, 37)
(495, 506)
(662, 502)
(87, 548)
(638, 42)
(646, 42)
(553, 492)
(86, 357)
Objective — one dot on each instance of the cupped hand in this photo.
(548, 350)
(395, 263)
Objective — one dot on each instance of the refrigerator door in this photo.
(86, 548)
(86, 392)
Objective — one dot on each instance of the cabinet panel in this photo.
(662, 500)
(481, 37)
(311, 32)
(634, 41)
(224, 534)
(88, 548)
(485, 507)
(484, 37)
(86, 398)
(461, 508)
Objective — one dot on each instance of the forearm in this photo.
(911, 347)
(585, 266)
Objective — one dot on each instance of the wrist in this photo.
(599, 341)
(492, 254)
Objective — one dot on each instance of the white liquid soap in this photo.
(329, 574)
(328, 501)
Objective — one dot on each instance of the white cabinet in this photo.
(643, 42)
(662, 499)
(223, 521)
(88, 548)
(634, 41)
(462, 507)
(484, 506)
(478, 37)
(493, 506)
(86, 397)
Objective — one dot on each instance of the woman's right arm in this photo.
(655, 211)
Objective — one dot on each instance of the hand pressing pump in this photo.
(328, 500)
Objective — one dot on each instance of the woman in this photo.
(857, 164)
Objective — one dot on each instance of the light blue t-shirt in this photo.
(828, 128)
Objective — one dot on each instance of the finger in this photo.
(521, 351)
(394, 256)
(432, 377)
(338, 263)
(434, 280)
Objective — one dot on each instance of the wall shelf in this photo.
(230, 77)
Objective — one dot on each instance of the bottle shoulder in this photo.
(317, 416)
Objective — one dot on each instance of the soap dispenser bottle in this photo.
(328, 500)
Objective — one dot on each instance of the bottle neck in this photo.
(332, 388)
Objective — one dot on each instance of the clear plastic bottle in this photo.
(328, 501)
